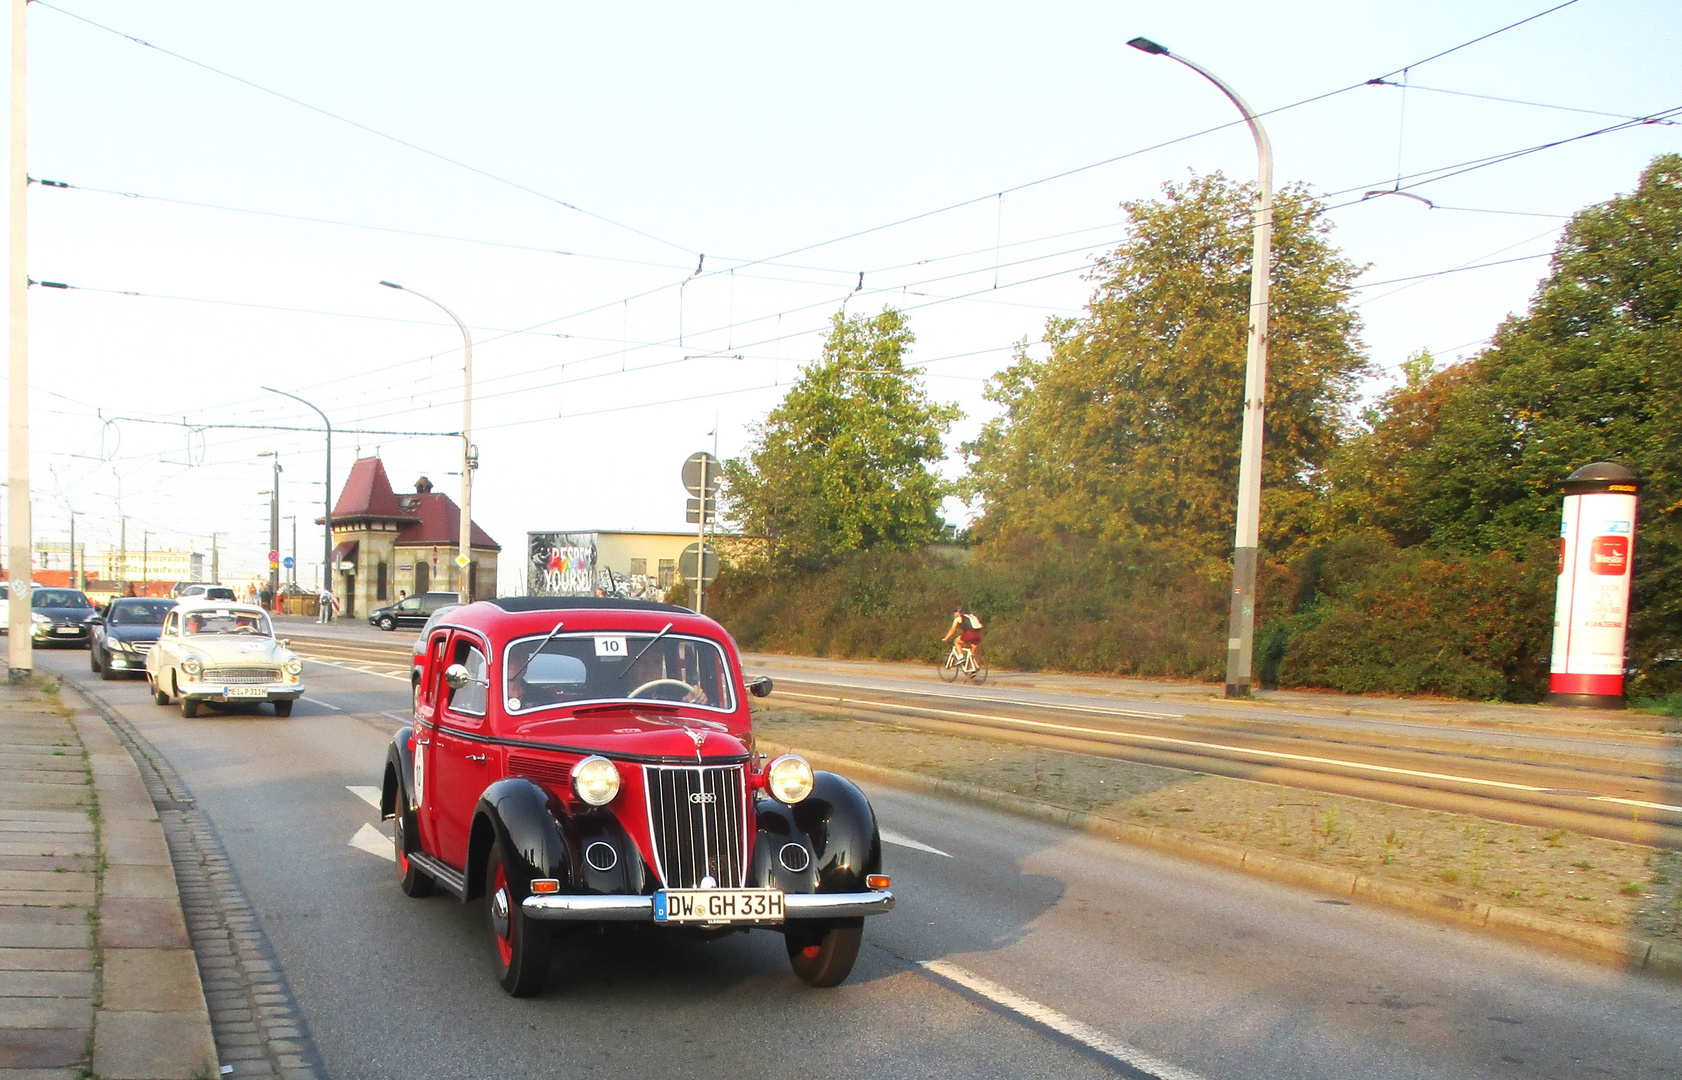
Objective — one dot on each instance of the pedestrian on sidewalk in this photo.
(328, 605)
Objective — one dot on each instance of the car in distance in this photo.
(214, 652)
(203, 590)
(577, 761)
(60, 616)
(123, 633)
(411, 610)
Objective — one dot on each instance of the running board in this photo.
(443, 875)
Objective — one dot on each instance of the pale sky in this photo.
(740, 132)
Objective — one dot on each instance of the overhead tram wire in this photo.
(366, 128)
(1517, 101)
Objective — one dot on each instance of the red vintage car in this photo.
(584, 760)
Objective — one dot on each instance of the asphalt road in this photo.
(1018, 949)
(1596, 773)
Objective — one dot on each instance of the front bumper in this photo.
(213, 692)
(61, 632)
(618, 908)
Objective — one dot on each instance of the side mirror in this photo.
(457, 676)
(760, 687)
(285, 643)
(95, 620)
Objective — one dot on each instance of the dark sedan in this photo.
(60, 615)
(411, 610)
(124, 633)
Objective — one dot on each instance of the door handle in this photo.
(475, 757)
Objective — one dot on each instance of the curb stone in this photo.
(252, 1019)
(1598, 942)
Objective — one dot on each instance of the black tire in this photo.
(411, 879)
(980, 675)
(189, 707)
(159, 694)
(388, 623)
(93, 658)
(520, 946)
(105, 671)
(823, 955)
(283, 709)
(949, 670)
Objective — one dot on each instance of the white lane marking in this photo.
(365, 671)
(1276, 755)
(1067, 1026)
(891, 837)
(399, 719)
(1098, 709)
(369, 795)
(374, 842)
(323, 704)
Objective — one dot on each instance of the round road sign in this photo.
(698, 466)
(686, 563)
(287, 562)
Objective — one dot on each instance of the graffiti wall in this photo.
(560, 564)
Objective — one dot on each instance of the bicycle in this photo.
(960, 663)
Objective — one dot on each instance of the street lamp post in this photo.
(327, 493)
(274, 527)
(469, 459)
(1241, 622)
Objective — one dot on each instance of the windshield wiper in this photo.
(627, 669)
(540, 647)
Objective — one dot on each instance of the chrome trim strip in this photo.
(450, 879)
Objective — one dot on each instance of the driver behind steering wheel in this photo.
(650, 670)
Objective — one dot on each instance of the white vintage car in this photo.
(214, 651)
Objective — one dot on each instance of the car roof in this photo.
(597, 603)
(190, 607)
(519, 616)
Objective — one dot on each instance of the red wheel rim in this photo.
(505, 940)
(402, 855)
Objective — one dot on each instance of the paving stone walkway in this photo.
(97, 975)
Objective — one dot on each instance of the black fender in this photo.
(517, 812)
(841, 828)
(777, 830)
(597, 825)
(399, 774)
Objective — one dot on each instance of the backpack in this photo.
(971, 621)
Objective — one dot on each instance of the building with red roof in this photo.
(387, 544)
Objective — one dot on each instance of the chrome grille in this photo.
(695, 819)
(237, 675)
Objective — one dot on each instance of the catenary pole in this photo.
(1241, 620)
(327, 492)
(469, 457)
(20, 657)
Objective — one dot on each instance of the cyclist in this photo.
(968, 629)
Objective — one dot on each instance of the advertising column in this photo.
(1591, 611)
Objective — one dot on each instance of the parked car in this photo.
(204, 590)
(123, 632)
(578, 760)
(215, 652)
(411, 610)
(60, 616)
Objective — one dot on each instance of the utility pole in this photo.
(73, 583)
(20, 656)
(145, 570)
(292, 574)
(215, 560)
(327, 492)
(122, 550)
(274, 525)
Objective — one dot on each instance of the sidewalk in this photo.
(96, 972)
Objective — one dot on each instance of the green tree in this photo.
(1472, 455)
(843, 463)
(1129, 429)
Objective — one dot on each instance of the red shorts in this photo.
(970, 637)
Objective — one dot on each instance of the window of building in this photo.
(668, 571)
(380, 577)
(639, 567)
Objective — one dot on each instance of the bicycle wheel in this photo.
(949, 670)
(979, 675)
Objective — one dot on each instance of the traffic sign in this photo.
(686, 563)
(692, 510)
(273, 565)
(701, 465)
(462, 561)
(287, 562)
(274, 556)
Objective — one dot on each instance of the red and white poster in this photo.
(1591, 613)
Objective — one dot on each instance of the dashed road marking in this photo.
(1067, 1026)
(323, 704)
(356, 667)
(369, 795)
(891, 837)
(374, 842)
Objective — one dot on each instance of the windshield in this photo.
(226, 622)
(139, 612)
(577, 668)
(59, 598)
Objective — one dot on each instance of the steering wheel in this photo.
(657, 684)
